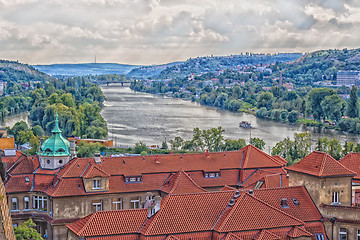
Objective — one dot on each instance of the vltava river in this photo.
(132, 117)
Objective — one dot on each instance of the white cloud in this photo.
(158, 31)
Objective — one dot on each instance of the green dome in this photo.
(56, 145)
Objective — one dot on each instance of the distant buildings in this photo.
(348, 78)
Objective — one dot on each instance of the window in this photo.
(335, 197)
(26, 203)
(40, 203)
(295, 201)
(258, 184)
(97, 205)
(27, 179)
(319, 236)
(342, 234)
(97, 184)
(135, 179)
(135, 202)
(358, 235)
(212, 174)
(117, 204)
(284, 203)
(14, 204)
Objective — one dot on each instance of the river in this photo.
(134, 116)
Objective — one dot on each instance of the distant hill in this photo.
(321, 65)
(20, 73)
(202, 65)
(82, 69)
(152, 71)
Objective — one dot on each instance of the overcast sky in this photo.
(161, 31)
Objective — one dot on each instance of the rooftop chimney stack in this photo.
(157, 159)
(237, 194)
(72, 149)
(97, 158)
(207, 153)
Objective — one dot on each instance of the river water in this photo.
(134, 116)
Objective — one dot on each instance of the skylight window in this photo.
(259, 184)
(295, 201)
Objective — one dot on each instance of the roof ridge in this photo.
(223, 222)
(69, 165)
(91, 216)
(155, 216)
(322, 167)
(265, 231)
(182, 172)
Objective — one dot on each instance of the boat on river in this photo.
(245, 124)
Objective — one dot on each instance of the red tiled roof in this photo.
(42, 182)
(296, 232)
(107, 223)
(180, 182)
(66, 187)
(228, 188)
(11, 160)
(248, 157)
(306, 210)
(93, 171)
(24, 165)
(17, 183)
(231, 236)
(321, 165)
(266, 235)
(187, 213)
(250, 213)
(271, 177)
(171, 237)
(352, 162)
(255, 158)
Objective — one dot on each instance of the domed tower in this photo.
(55, 151)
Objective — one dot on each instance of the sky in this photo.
(145, 32)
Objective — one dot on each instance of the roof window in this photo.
(284, 203)
(27, 179)
(259, 184)
(212, 175)
(295, 201)
(319, 236)
(133, 179)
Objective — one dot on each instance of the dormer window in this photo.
(60, 150)
(133, 179)
(212, 175)
(48, 150)
(27, 179)
(97, 184)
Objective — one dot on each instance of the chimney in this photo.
(72, 149)
(284, 203)
(157, 159)
(157, 204)
(207, 153)
(97, 158)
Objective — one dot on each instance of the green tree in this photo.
(347, 148)
(331, 106)
(314, 99)
(140, 147)
(322, 144)
(265, 99)
(26, 231)
(87, 149)
(233, 145)
(353, 103)
(176, 143)
(293, 116)
(257, 142)
(334, 149)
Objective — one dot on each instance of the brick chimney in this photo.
(97, 158)
(157, 159)
(207, 153)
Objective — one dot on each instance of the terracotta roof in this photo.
(11, 160)
(270, 178)
(296, 232)
(352, 162)
(228, 188)
(251, 213)
(181, 213)
(93, 171)
(180, 182)
(231, 236)
(171, 237)
(321, 164)
(17, 183)
(24, 165)
(66, 187)
(255, 158)
(266, 235)
(107, 223)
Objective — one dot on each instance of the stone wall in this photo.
(6, 229)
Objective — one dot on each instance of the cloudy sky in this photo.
(160, 31)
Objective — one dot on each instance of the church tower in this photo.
(55, 151)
